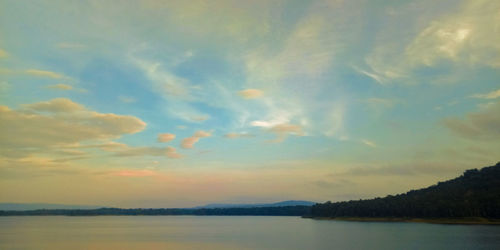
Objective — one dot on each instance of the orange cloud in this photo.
(166, 137)
(55, 105)
(60, 122)
(190, 141)
(251, 93)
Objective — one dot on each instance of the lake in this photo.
(237, 232)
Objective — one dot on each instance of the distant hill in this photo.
(35, 206)
(474, 194)
(260, 211)
(253, 205)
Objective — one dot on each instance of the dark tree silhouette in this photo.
(474, 194)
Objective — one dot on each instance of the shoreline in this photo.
(449, 221)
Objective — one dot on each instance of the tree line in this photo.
(476, 193)
(264, 211)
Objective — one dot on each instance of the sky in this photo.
(182, 103)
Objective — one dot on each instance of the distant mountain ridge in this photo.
(253, 205)
(476, 193)
(35, 206)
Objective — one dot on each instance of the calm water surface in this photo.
(242, 232)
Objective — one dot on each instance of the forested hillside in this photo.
(474, 194)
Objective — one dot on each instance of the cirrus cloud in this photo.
(491, 95)
(43, 73)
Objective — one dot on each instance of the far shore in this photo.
(454, 221)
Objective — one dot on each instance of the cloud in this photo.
(278, 116)
(60, 122)
(491, 95)
(306, 54)
(202, 133)
(233, 135)
(467, 36)
(464, 37)
(404, 169)
(127, 99)
(34, 166)
(169, 152)
(172, 153)
(134, 173)
(190, 141)
(58, 105)
(124, 150)
(251, 93)
(283, 130)
(43, 73)
(163, 81)
(375, 76)
(3, 53)
(369, 143)
(166, 137)
(109, 146)
(199, 118)
(60, 86)
(481, 125)
(175, 90)
(334, 122)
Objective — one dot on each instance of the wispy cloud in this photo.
(177, 91)
(491, 95)
(462, 38)
(43, 73)
(481, 125)
(60, 86)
